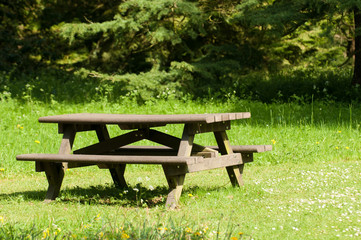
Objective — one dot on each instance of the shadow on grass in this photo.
(138, 196)
(133, 196)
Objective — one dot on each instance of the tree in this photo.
(280, 18)
(356, 79)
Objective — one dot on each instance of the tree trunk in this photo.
(356, 79)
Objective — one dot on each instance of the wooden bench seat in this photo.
(105, 159)
(152, 155)
(247, 148)
(179, 164)
(246, 151)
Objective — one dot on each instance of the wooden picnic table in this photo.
(178, 156)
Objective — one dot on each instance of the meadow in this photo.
(307, 187)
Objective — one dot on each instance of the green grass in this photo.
(306, 188)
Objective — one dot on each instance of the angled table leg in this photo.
(234, 172)
(175, 181)
(55, 171)
(117, 171)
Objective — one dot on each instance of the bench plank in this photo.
(218, 162)
(98, 159)
(247, 148)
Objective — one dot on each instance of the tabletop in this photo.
(101, 118)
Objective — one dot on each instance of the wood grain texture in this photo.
(105, 159)
(125, 119)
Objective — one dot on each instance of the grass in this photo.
(306, 188)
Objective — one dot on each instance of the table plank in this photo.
(101, 118)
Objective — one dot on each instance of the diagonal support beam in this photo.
(234, 172)
(174, 142)
(111, 144)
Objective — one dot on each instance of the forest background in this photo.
(268, 50)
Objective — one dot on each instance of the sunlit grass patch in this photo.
(307, 187)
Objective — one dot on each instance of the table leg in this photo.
(54, 174)
(116, 172)
(175, 181)
(234, 172)
(55, 171)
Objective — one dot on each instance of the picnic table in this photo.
(178, 156)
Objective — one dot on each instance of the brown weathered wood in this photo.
(213, 163)
(131, 119)
(78, 165)
(157, 151)
(55, 171)
(113, 143)
(175, 182)
(54, 174)
(174, 142)
(140, 126)
(247, 157)
(68, 140)
(234, 172)
(77, 127)
(117, 173)
(164, 150)
(117, 170)
(102, 132)
(210, 127)
(247, 148)
(203, 164)
(105, 159)
(179, 157)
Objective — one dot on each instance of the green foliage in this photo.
(304, 85)
(182, 81)
(153, 49)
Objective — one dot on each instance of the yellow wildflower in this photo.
(37, 141)
(273, 141)
(46, 233)
(86, 225)
(190, 195)
(101, 234)
(339, 131)
(188, 230)
(234, 238)
(317, 142)
(240, 233)
(1, 219)
(347, 148)
(124, 236)
(337, 147)
(97, 217)
(2, 169)
(197, 233)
